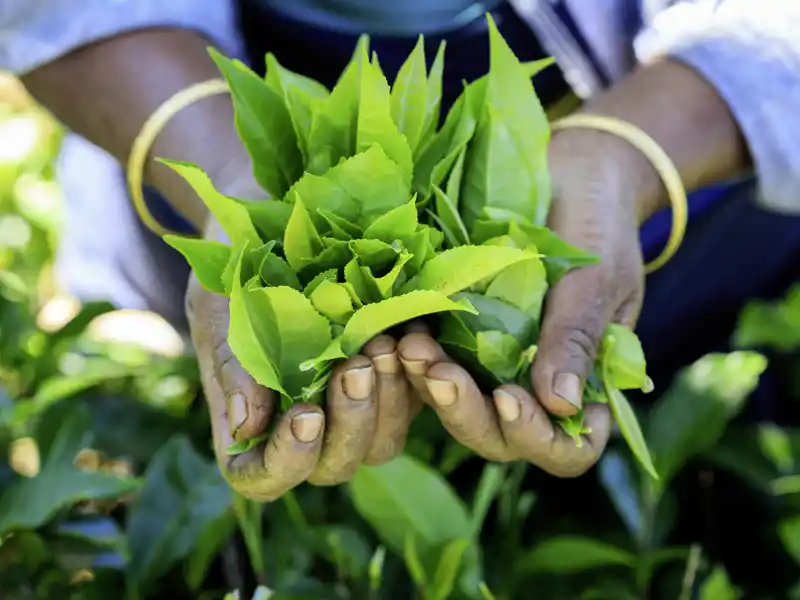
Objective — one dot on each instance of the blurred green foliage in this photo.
(108, 486)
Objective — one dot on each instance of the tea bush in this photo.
(108, 485)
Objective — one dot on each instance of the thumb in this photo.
(572, 327)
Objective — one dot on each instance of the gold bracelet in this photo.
(150, 130)
(661, 162)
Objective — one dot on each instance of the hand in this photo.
(593, 209)
(365, 418)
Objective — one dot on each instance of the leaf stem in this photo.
(248, 515)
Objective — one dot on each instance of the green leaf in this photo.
(718, 586)
(494, 314)
(507, 161)
(622, 356)
(459, 268)
(29, 503)
(456, 177)
(630, 429)
(447, 211)
(288, 330)
(433, 98)
(333, 128)
(275, 271)
(499, 352)
(692, 415)
(447, 570)
(523, 285)
(557, 255)
(571, 554)
(340, 227)
(249, 341)
(375, 124)
(301, 242)
(404, 497)
(269, 217)
(414, 564)
(182, 509)
(332, 301)
(242, 446)
(409, 95)
(299, 93)
(492, 478)
(400, 223)
(232, 215)
(372, 319)
(207, 259)
(264, 125)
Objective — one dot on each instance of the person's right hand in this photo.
(365, 417)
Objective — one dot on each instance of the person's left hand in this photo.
(594, 208)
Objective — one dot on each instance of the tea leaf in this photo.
(274, 271)
(410, 94)
(375, 125)
(523, 285)
(691, 416)
(414, 564)
(433, 99)
(301, 242)
(251, 343)
(630, 429)
(299, 93)
(447, 211)
(264, 125)
(507, 161)
(444, 578)
(459, 268)
(405, 496)
(295, 330)
(332, 301)
(372, 319)
(233, 217)
(570, 554)
(400, 223)
(243, 446)
(622, 355)
(455, 179)
(269, 217)
(332, 136)
(499, 352)
(206, 257)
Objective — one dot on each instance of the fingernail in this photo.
(444, 392)
(306, 427)
(414, 367)
(387, 363)
(358, 382)
(568, 387)
(237, 411)
(507, 405)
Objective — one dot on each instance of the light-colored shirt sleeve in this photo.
(36, 32)
(750, 52)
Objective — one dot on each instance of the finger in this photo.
(530, 432)
(572, 327)
(628, 312)
(417, 352)
(397, 403)
(418, 326)
(465, 412)
(249, 406)
(286, 460)
(351, 413)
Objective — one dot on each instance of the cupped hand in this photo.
(365, 417)
(594, 209)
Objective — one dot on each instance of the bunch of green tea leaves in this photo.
(379, 217)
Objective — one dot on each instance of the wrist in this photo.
(587, 159)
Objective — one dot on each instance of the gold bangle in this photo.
(150, 130)
(661, 162)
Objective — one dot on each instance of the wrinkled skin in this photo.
(373, 397)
